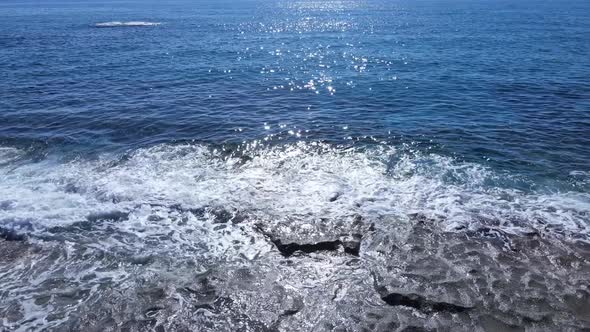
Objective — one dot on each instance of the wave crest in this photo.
(299, 182)
(116, 24)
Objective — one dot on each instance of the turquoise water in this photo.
(472, 114)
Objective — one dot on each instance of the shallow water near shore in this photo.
(294, 166)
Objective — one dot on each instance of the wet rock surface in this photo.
(418, 279)
(419, 302)
(177, 238)
(348, 244)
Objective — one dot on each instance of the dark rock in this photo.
(289, 249)
(492, 324)
(11, 235)
(351, 247)
(221, 216)
(10, 251)
(202, 294)
(352, 244)
(153, 311)
(420, 303)
(580, 304)
(290, 312)
(295, 307)
(335, 197)
(416, 329)
(110, 216)
(141, 260)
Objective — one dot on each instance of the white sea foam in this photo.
(116, 24)
(293, 182)
(9, 154)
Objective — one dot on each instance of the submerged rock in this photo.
(288, 249)
(420, 303)
(417, 278)
(11, 235)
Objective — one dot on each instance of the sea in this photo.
(294, 165)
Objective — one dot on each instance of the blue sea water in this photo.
(467, 112)
(496, 82)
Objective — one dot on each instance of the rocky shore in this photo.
(323, 276)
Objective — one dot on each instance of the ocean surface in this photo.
(294, 165)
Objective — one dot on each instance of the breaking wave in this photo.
(116, 24)
(8, 155)
(298, 182)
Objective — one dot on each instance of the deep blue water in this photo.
(488, 81)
